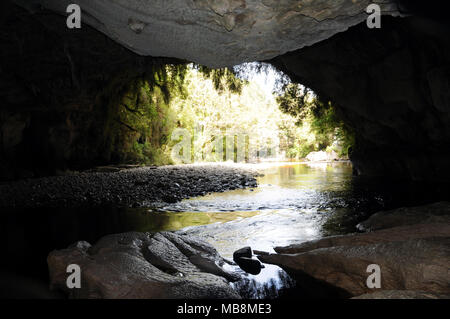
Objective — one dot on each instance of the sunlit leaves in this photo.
(317, 119)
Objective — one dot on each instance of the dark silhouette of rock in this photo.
(142, 265)
(260, 252)
(243, 252)
(250, 265)
(243, 258)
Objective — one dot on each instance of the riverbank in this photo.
(135, 187)
(293, 204)
(412, 255)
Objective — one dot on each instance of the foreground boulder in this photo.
(134, 187)
(382, 236)
(413, 259)
(143, 265)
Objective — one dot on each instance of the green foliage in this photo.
(223, 79)
(294, 101)
(141, 115)
(212, 108)
(320, 127)
(143, 112)
(142, 118)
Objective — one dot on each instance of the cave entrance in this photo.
(249, 113)
(76, 99)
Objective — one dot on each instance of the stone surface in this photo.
(141, 265)
(249, 265)
(243, 258)
(434, 213)
(410, 264)
(402, 294)
(221, 32)
(126, 188)
(417, 231)
(243, 252)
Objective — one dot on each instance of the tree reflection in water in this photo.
(269, 284)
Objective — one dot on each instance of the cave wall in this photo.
(57, 92)
(392, 86)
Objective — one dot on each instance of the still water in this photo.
(292, 204)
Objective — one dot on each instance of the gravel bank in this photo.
(126, 188)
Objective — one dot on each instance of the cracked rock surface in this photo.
(143, 265)
(218, 32)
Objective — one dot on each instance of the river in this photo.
(293, 203)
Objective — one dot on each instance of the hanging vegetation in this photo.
(143, 115)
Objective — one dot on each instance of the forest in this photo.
(224, 115)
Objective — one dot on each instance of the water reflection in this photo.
(282, 187)
(148, 220)
(269, 284)
(289, 206)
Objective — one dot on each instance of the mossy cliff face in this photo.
(392, 87)
(60, 92)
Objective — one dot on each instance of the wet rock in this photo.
(434, 213)
(243, 258)
(250, 265)
(260, 252)
(372, 238)
(410, 257)
(402, 294)
(142, 265)
(243, 252)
